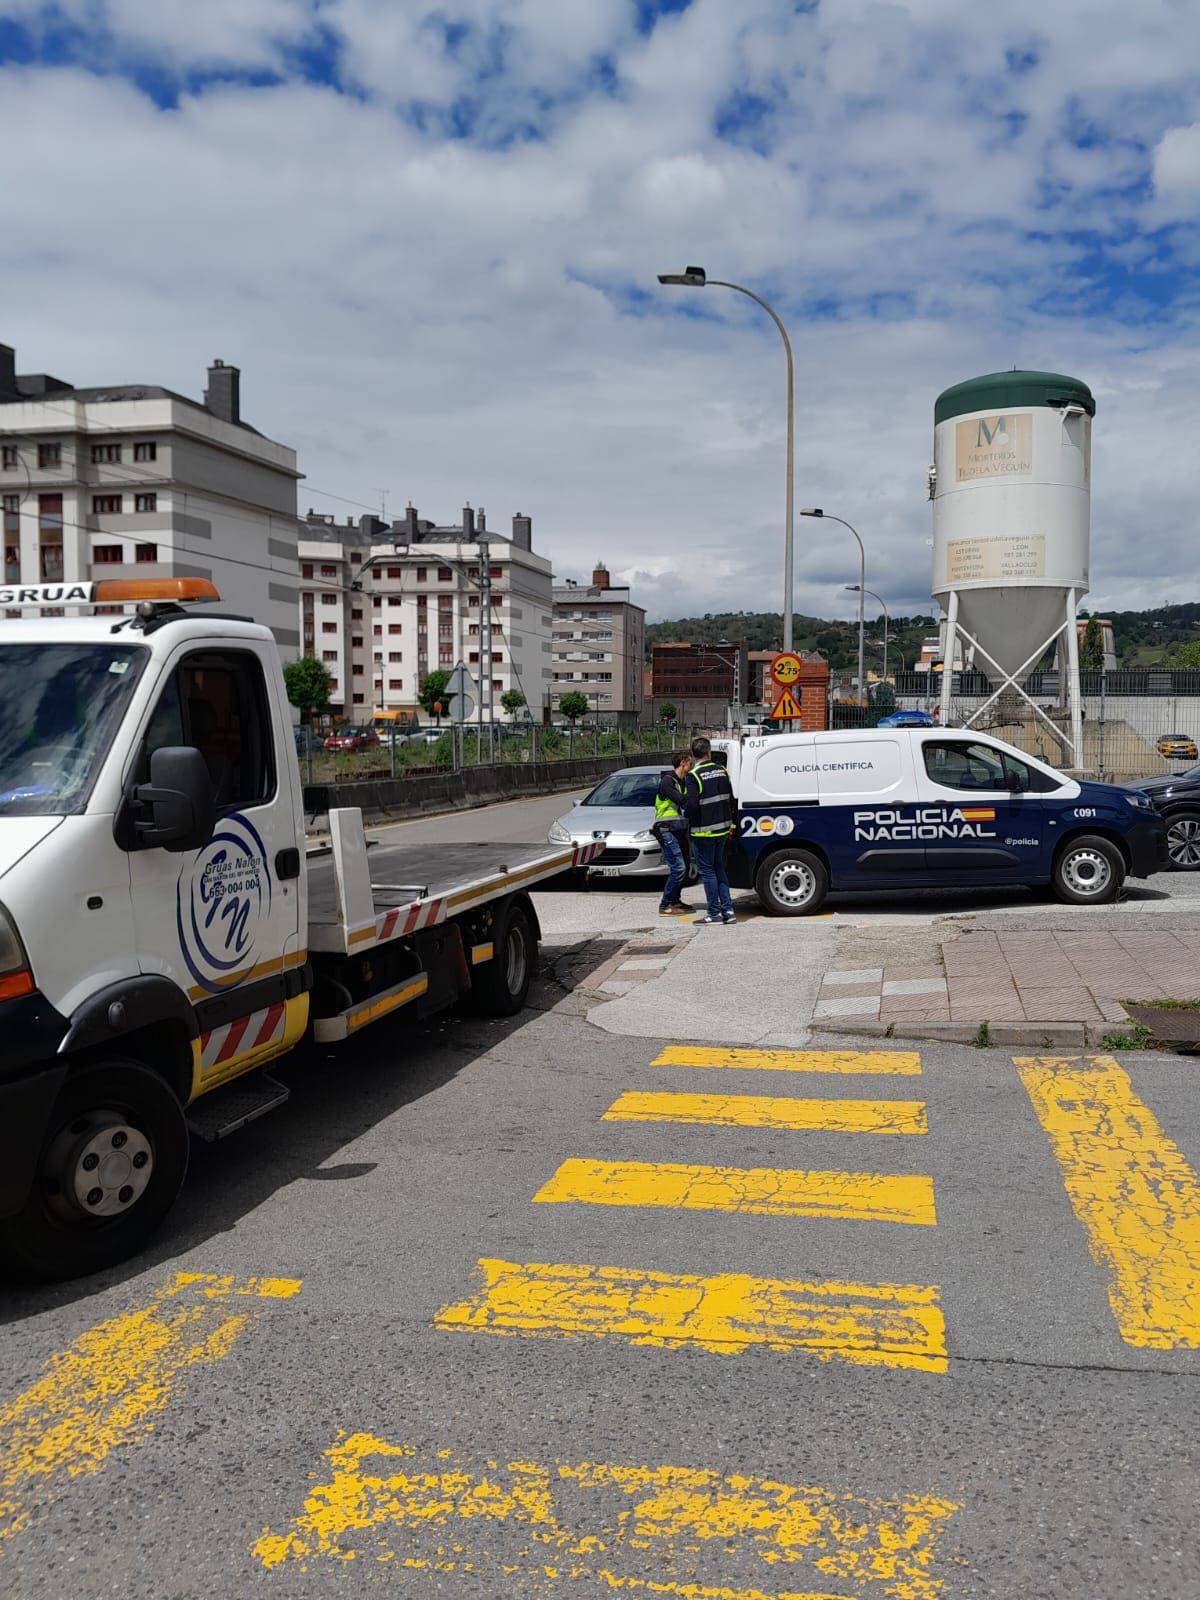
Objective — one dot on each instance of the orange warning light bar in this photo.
(129, 591)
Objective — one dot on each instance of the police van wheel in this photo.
(500, 986)
(791, 883)
(111, 1165)
(1088, 871)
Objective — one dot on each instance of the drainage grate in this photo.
(1171, 1025)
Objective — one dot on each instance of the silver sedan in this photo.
(619, 810)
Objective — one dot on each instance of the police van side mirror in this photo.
(1014, 782)
(176, 810)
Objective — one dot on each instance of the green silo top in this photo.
(1003, 391)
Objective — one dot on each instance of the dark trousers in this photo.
(710, 863)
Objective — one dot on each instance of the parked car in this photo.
(1177, 800)
(306, 741)
(619, 810)
(906, 719)
(1176, 747)
(352, 738)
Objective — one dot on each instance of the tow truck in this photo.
(166, 930)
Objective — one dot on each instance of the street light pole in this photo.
(696, 278)
(816, 511)
(851, 588)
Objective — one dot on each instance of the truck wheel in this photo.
(791, 883)
(500, 987)
(1183, 840)
(1088, 871)
(112, 1163)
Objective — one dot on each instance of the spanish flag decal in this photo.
(978, 813)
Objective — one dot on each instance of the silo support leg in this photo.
(1009, 680)
(948, 657)
(1073, 697)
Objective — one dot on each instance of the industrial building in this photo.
(135, 480)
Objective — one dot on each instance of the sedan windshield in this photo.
(60, 705)
(625, 789)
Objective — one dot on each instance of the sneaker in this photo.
(728, 916)
(709, 922)
(669, 911)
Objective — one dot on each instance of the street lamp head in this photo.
(690, 277)
(811, 511)
(853, 588)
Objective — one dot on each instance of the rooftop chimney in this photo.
(600, 577)
(223, 396)
(522, 534)
(468, 523)
(8, 372)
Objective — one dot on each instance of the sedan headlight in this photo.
(15, 976)
(644, 837)
(558, 834)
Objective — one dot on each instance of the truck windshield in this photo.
(60, 705)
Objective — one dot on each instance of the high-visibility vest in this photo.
(713, 826)
(666, 810)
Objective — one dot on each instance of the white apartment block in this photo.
(380, 616)
(135, 480)
(599, 645)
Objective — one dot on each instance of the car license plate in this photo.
(607, 872)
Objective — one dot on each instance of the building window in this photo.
(474, 656)
(329, 655)
(395, 655)
(357, 671)
(359, 699)
(306, 569)
(333, 683)
(357, 641)
(9, 458)
(444, 575)
(422, 603)
(421, 572)
(145, 552)
(394, 600)
(50, 517)
(446, 603)
(49, 455)
(106, 452)
(393, 572)
(328, 571)
(52, 564)
(12, 556)
(145, 502)
(107, 554)
(496, 657)
(329, 627)
(377, 631)
(355, 557)
(12, 513)
(329, 599)
(356, 616)
(497, 683)
(145, 450)
(395, 683)
(107, 505)
(395, 627)
(445, 658)
(473, 600)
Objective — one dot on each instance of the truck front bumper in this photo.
(1147, 841)
(31, 1075)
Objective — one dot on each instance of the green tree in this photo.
(307, 685)
(512, 700)
(1091, 650)
(667, 712)
(433, 692)
(573, 705)
(1188, 655)
(883, 698)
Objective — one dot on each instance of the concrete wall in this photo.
(387, 798)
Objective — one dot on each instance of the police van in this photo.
(896, 808)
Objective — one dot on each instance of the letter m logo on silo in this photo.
(986, 436)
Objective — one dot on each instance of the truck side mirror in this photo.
(179, 799)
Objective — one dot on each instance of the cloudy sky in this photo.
(429, 236)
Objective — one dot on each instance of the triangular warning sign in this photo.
(786, 708)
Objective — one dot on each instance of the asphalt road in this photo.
(473, 1315)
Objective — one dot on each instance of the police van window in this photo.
(217, 702)
(957, 765)
(1021, 778)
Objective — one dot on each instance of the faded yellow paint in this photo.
(365, 1015)
(104, 1393)
(295, 1021)
(892, 1325)
(762, 1191)
(635, 1529)
(767, 1111)
(902, 1063)
(1136, 1196)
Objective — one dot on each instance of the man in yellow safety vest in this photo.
(671, 830)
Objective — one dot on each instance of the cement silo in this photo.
(1011, 498)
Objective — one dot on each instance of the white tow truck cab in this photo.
(165, 932)
(924, 808)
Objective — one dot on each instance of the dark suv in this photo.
(1176, 798)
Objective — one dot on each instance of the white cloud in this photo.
(915, 188)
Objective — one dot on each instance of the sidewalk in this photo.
(1026, 986)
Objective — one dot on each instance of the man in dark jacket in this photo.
(711, 811)
(671, 830)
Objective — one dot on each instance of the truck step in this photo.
(226, 1110)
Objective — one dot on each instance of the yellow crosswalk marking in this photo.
(891, 1325)
(765, 1111)
(521, 1526)
(1136, 1196)
(106, 1390)
(763, 1191)
(903, 1063)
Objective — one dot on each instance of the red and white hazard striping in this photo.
(400, 920)
(583, 853)
(242, 1036)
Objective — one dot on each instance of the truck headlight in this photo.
(15, 976)
(558, 834)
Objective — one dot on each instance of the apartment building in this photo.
(136, 480)
(599, 645)
(383, 605)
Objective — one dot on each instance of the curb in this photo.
(1031, 1035)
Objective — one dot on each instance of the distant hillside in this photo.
(1143, 638)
